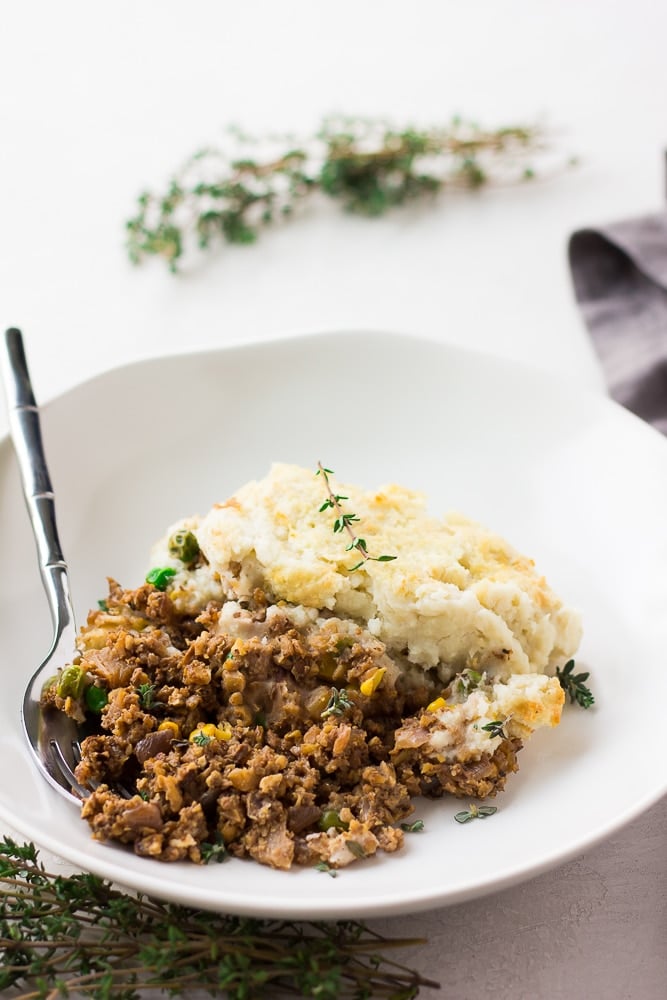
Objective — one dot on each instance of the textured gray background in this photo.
(593, 928)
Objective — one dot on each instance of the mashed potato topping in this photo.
(456, 596)
(267, 694)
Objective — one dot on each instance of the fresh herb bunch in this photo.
(77, 935)
(574, 686)
(344, 522)
(368, 166)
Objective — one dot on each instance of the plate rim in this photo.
(515, 874)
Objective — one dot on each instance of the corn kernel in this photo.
(229, 831)
(372, 683)
(233, 681)
(243, 779)
(437, 705)
(168, 724)
(200, 731)
(239, 647)
(243, 715)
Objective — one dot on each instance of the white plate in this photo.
(569, 477)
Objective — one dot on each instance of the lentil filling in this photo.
(253, 731)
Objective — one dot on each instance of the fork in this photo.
(53, 738)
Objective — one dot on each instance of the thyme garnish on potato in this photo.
(369, 166)
(344, 522)
(496, 728)
(77, 935)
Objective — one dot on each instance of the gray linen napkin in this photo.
(619, 274)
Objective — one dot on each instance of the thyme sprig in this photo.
(475, 812)
(200, 739)
(370, 166)
(215, 851)
(416, 827)
(468, 680)
(496, 728)
(77, 935)
(344, 522)
(146, 694)
(338, 704)
(324, 866)
(574, 686)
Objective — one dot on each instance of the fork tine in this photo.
(66, 771)
(68, 774)
(124, 792)
(118, 788)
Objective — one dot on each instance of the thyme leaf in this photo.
(324, 866)
(215, 851)
(468, 680)
(574, 686)
(475, 812)
(338, 703)
(344, 521)
(354, 847)
(146, 694)
(201, 739)
(416, 827)
(77, 935)
(496, 728)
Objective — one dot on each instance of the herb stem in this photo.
(344, 522)
(77, 934)
(369, 166)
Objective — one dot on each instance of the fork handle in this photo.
(25, 429)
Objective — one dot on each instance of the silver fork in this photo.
(53, 737)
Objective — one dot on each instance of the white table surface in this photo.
(98, 102)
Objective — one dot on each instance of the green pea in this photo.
(184, 546)
(96, 698)
(331, 820)
(160, 576)
(71, 683)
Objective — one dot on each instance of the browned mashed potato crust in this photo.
(230, 737)
(271, 701)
